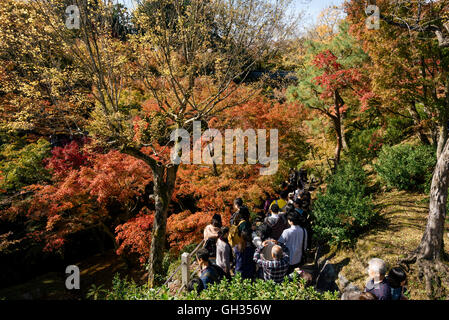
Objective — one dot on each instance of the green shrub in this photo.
(236, 289)
(22, 166)
(345, 210)
(398, 128)
(365, 144)
(406, 167)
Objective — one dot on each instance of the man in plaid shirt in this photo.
(275, 269)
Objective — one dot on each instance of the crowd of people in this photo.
(274, 244)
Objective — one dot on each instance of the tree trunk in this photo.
(164, 178)
(443, 134)
(344, 144)
(431, 243)
(338, 127)
(339, 146)
(429, 254)
(164, 183)
(417, 120)
(442, 138)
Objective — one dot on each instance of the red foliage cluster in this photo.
(66, 158)
(134, 235)
(334, 76)
(376, 142)
(102, 190)
(83, 196)
(327, 61)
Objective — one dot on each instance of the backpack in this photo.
(234, 237)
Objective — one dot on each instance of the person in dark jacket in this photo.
(238, 206)
(208, 274)
(293, 179)
(277, 221)
(302, 178)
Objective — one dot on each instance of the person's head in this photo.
(367, 296)
(264, 232)
(277, 252)
(274, 209)
(289, 207)
(377, 269)
(238, 203)
(397, 277)
(293, 218)
(244, 213)
(284, 194)
(298, 203)
(223, 233)
(260, 216)
(195, 284)
(291, 196)
(202, 256)
(216, 221)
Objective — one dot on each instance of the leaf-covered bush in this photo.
(365, 144)
(235, 289)
(23, 165)
(398, 128)
(406, 167)
(345, 209)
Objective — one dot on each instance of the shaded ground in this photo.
(403, 218)
(98, 270)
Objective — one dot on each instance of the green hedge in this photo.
(345, 210)
(406, 167)
(236, 289)
(365, 144)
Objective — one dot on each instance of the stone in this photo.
(349, 290)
